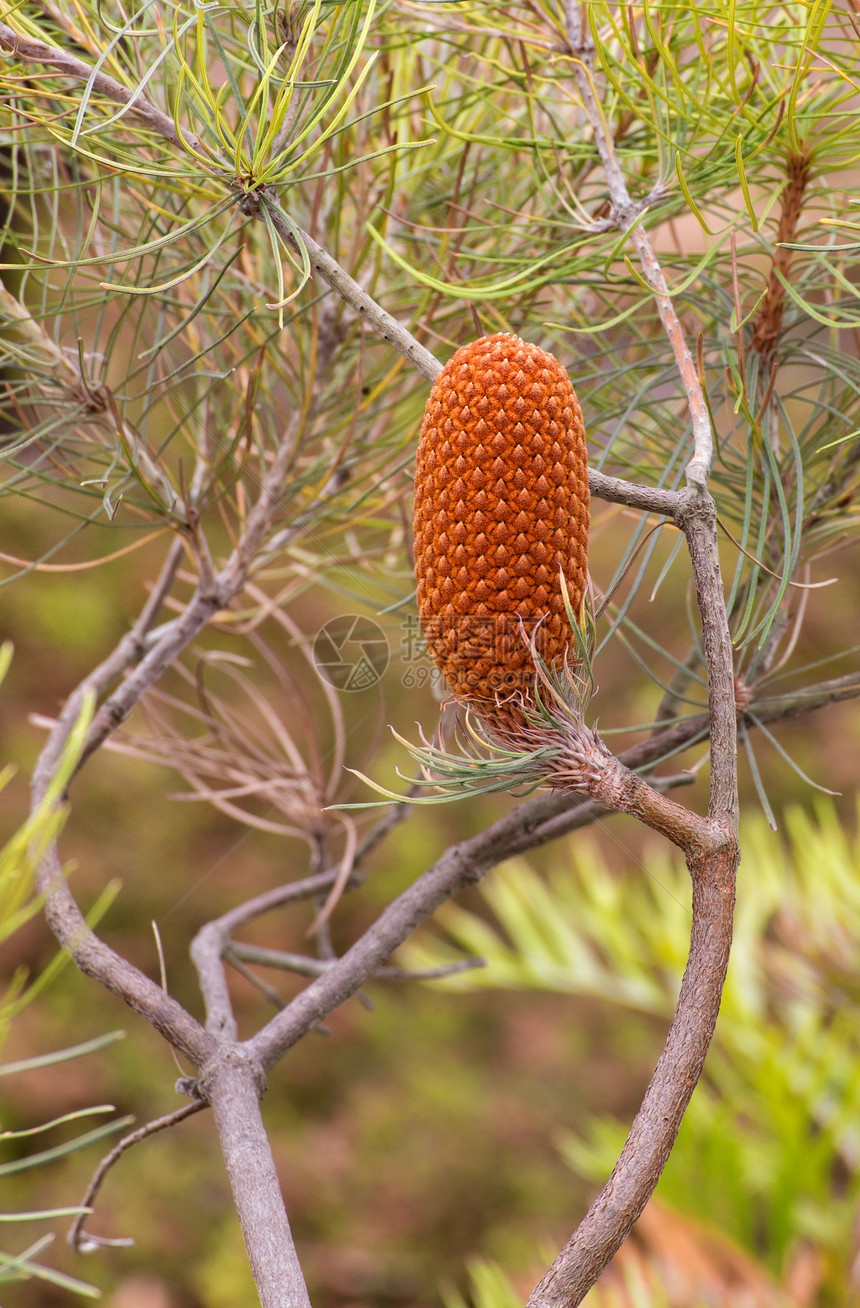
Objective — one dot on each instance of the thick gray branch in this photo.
(91, 954)
(115, 973)
(612, 1215)
(232, 1085)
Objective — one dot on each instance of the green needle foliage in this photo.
(20, 854)
(441, 154)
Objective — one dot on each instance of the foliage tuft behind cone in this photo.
(501, 508)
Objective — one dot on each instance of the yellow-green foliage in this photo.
(768, 1149)
(18, 903)
(22, 852)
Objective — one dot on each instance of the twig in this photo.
(304, 965)
(779, 708)
(349, 290)
(268, 992)
(625, 212)
(210, 946)
(209, 599)
(651, 499)
(78, 1237)
(698, 521)
(68, 65)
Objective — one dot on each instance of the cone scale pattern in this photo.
(501, 510)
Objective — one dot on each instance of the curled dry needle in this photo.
(248, 760)
(501, 523)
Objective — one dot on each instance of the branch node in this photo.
(190, 1086)
(695, 501)
(232, 1055)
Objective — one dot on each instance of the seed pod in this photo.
(501, 510)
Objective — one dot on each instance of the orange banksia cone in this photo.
(501, 510)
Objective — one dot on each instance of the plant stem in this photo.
(232, 1086)
(625, 212)
(612, 1215)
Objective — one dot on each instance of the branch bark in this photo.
(149, 662)
(614, 1212)
(233, 1085)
